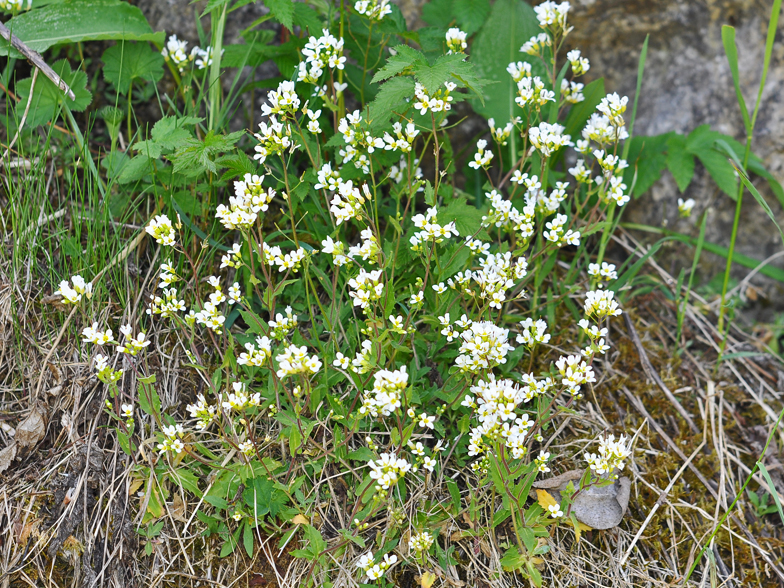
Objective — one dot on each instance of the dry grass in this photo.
(69, 515)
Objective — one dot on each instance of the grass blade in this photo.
(771, 488)
(758, 197)
(772, 26)
(731, 50)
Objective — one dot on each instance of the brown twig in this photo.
(35, 58)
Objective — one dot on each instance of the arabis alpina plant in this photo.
(365, 316)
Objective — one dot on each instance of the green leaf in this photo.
(433, 76)
(75, 21)
(720, 170)
(511, 23)
(758, 197)
(391, 97)
(47, 97)
(307, 18)
(679, 161)
(169, 132)
(247, 540)
(283, 11)
(404, 58)
(470, 14)
(149, 401)
(647, 161)
(438, 13)
(731, 50)
(467, 217)
(126, 62)
(196, 157)
(771, 488)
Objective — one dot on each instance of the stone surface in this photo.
(687, 83)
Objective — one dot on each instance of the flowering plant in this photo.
(368, 320)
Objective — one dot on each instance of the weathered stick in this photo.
(35, 58)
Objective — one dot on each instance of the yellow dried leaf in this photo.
(427, 579)
(544, 498)
(300, 520)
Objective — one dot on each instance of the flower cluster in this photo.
(162, 230)
(483, 346)
(387, 470)
(456, 41)
(374, 10)
(249, 199)
(387, 392)
(295, 360)
(172, 440)
(366, 287)
(321, 53)
(611, 456)
(430, 229)
(73, 295)
(256, 354)
(375, 571)
(440, 101)
(483, 156)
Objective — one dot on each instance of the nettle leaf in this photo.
(471, 14)
(392, 98)
(433, 76)
(647, 160)
(47, 97)
(307, 18)
(196, 157)
(76, 21)
(282, 11)
(404, 58)
(467, 217)
(170, 131)
(679, 161)
(126, 62)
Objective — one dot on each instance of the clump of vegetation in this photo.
(377, 352)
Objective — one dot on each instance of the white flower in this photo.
(482, 157)
(548, 138)
(161, 229)
(73, 295)
(456, 41)
(93, 335)
(426, 421)
(599, 304)
(176, 51)
(387, 470)
(611, 455)
(555, 511)
(295, 360)
(685, 207)
(374, 10)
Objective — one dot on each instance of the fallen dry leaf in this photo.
(426, 580)
(7, 455)
(300, 520)
(178, 509)
(31, 430)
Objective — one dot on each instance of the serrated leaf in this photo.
(679, 161)
(307, 18)
(467, 217)
(283, 11)
(196, 156)
(470, 14)
(433, 76)
(720, 169)
(391, 97)
(170, 132)
(47, 97)
(76, 21)
(127, 61)
(404, 58)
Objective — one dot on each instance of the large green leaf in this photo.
(470, 14)
(126, 62)
(47, 97)
(679, 161)
(80, 20)
(511, 23)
